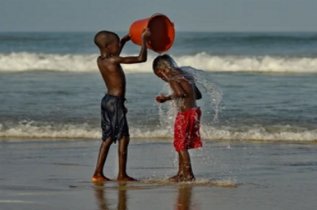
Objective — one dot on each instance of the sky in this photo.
(187, 15)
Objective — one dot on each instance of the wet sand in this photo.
(44, 174)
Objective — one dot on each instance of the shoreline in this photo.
(154, 139)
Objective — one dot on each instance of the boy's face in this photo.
(161, 74)
(114, 47)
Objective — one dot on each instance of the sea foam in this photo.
(282, 133)
(19, 62)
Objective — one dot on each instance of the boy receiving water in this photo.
(113, 112)
(187, 122)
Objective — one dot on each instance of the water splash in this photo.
(211, 100)
(212, 95)
(167, 111)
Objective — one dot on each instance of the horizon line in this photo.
(181, 31)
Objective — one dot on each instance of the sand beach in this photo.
(48, 175)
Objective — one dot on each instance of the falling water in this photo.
(210, 102)
(211, 95)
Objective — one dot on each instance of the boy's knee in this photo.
(107, 142)
(125, 140)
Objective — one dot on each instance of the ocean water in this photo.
(256, 87)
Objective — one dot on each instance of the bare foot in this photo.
(187, 178)
(126, 179)
(97, 179)
(175, 178)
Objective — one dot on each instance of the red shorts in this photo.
(186, 130)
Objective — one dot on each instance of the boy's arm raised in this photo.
(142, 57)
(123, 41)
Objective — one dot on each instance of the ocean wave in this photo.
(20, 62)
(265, 38)
(280, 133)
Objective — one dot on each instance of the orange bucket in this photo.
(162, 32)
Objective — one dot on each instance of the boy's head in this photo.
(104, 39)
(162, 65)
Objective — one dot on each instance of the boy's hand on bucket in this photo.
(126, 37)
(146, 34)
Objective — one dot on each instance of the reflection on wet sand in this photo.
(184, 197)
(122, 198)
(183, 201)
(102, 200)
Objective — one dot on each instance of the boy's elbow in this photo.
(142, 59)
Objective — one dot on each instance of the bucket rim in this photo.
(155, 15)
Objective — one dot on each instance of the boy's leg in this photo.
(186, 167)
(102, 156)
(176, 178)
(123, 156)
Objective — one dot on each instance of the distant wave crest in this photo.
(33, 130)
(19, 62)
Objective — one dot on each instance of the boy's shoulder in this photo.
(179, 80)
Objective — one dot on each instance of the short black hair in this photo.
(103, 38)
(164, 62)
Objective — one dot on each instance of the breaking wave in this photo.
(22, 61)
(278, 133)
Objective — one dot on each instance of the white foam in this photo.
(15, 62)
(198, 182)
(15, 201)
(31, 61)
(31, 130)
(286, 133)
(250, 63)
